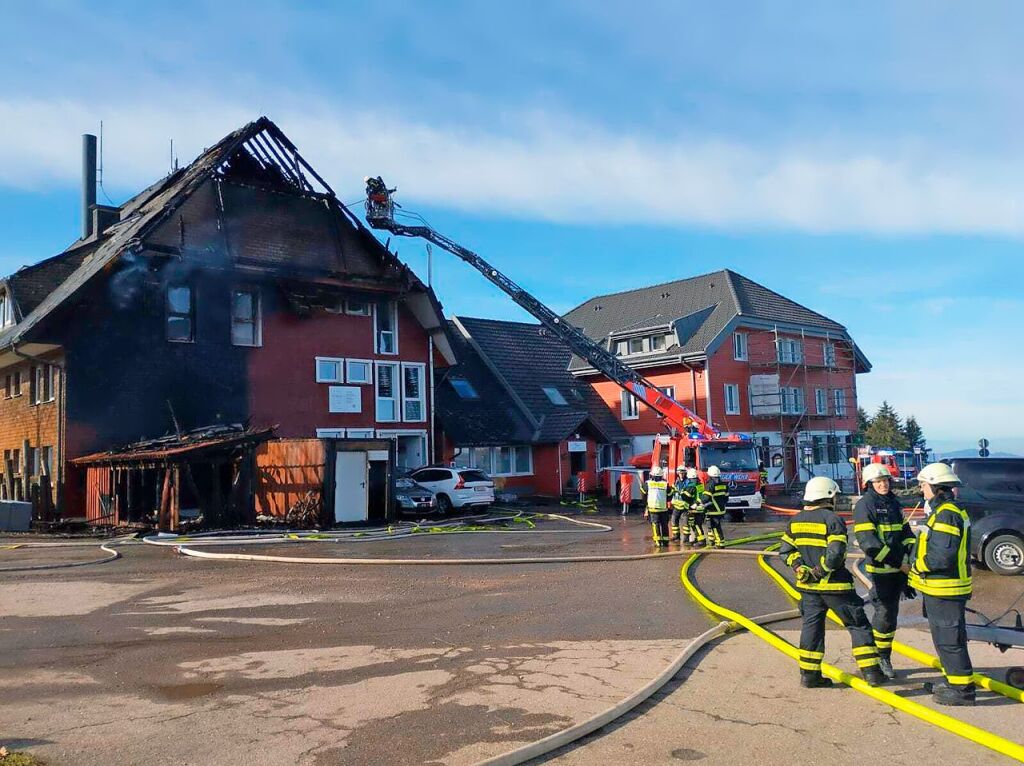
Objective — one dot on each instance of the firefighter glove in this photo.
(908, 592)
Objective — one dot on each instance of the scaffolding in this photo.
(802, 384)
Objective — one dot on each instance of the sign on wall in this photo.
(344, 399)
(580, 446)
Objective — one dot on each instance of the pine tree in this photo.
(886, 429)
(914, 434)
(862, 426)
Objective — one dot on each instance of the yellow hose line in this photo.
(943, 721)
(909, 652)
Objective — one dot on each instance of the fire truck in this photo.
(689, 441)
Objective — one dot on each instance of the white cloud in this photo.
(548, 167)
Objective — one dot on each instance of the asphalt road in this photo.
(162, 659)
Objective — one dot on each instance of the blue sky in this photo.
(864, 160)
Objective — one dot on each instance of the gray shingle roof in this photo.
(699, 307)
(30, 285)
(529, 360)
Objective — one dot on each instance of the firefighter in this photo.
(886, 540)
(762, 475)
(684, 497)
(814, 545)
(714, 499)
(658, 492)
(941, 571)
(695, 520)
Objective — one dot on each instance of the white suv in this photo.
(456, 487)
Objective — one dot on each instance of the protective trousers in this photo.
(659, 526)
(696, 523)
(849, 607)
(887, 591)
(677, 521)
(948, 623)
(715, 536)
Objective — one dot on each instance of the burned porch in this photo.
(206, 475)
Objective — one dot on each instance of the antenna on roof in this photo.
(174, 160)
(100, 168)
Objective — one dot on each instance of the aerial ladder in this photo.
(685, 427)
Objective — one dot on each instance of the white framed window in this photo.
(464, 388)
(41, 385)
(820, 401)
(181, 313)
(630, 406)
(790, 351)
(385, 321)
(359, 371)
(839, 401)
(329, 369)
(246, 319)
(739, 346)
(6, 309)
(357, 308)
(46, 461)
(621, 348)
(554, 395)
(523, 460)
(828, 353)
(657, 343)
(413, 398)
(669, 391)
(330, 433)
(732, 399)
(506, 460)
(792, 400)
(637, 345)
(387, 392)
(360, 433)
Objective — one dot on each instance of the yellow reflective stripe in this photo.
(814, 527)
(787, 539)
(890, 527)
(882, 553)
(875, 569)
(861, 651)
(959, 680)
(922, 551)
(947, 528)
(864, 526)
(909, 541)
(829, 586)
(880, 634)
(867, 663)
(811, 655)
(792, 557)
(836, 538)
(810, 541)
(809, 665)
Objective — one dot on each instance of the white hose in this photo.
(114, 555)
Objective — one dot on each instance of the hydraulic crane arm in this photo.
(380, 215)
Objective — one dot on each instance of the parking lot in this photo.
(159, 658)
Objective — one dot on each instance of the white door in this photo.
(350, 474)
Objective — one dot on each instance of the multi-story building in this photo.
(741, 356)
(236, 290)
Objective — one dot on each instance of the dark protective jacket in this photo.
(882, 532)
(817, 538)
(942, 555)
(658, 492)
(715, 497)
(685, 495)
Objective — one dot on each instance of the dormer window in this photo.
(644, 344)
(6, 309)
(555, 396)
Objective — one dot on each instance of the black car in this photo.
(992, 493)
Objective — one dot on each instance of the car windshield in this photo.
(472, 475)
(738, 458)
(405, 483)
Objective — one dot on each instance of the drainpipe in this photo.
(431, 440)
(58, 468)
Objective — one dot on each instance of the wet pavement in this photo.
(159, 658)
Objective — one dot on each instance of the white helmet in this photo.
(713, 472)
(938, 475)
(874, 471)
(691, 473)
(657, 472)
(820, 488)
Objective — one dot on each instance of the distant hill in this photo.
(971, 453)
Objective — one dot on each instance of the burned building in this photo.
(236, 291)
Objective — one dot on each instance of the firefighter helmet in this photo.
(691, 473)
(714, 472)
(820, 488)
(938, 475)
(873, 472)
(657, 472)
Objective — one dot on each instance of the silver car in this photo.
(410, 496)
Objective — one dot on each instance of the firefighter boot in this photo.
(873, 676)
(813, 679)
(954, 696)
(885, 665)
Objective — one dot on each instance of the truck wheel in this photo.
(1004, 554)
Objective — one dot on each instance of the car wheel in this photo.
(736, 516)
(1004, 554)
(444, 505)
